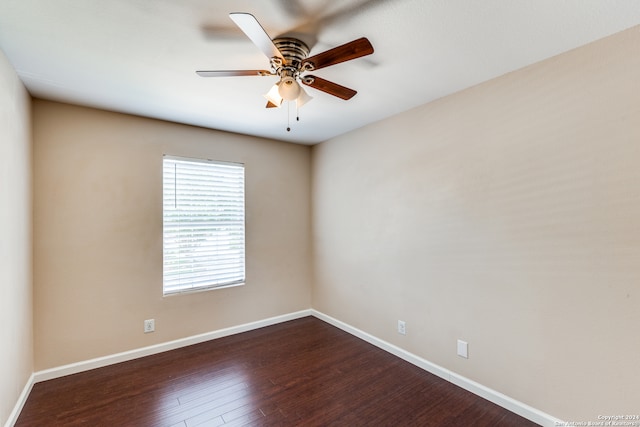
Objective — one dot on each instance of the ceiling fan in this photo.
(289, 61)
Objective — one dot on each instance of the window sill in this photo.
(202, 289)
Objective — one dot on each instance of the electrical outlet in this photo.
(149, 325)
(402, 327)
(463, 349)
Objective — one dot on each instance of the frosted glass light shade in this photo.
(303, 98)
(289, 89)
(273, 96)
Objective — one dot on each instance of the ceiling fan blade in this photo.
(233, 73)
(346, 52)
(252, 28)
(329, 87)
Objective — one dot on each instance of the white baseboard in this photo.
(22, 399)
(99, 362)
(496, 397)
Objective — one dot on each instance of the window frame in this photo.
(192, 286)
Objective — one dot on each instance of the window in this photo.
(203, 224)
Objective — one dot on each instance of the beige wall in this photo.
(16, 356)
(98, 233)
(507, 215)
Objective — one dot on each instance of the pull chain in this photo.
(288, 114)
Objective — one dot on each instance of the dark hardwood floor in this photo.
(299, 373)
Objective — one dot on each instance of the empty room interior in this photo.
(474, 209)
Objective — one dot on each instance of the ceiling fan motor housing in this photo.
(294, 52)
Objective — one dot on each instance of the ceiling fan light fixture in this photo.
(303, 98)
(289, 89)
(273, 96)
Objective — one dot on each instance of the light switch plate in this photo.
(463, 349)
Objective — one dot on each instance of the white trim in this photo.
(22, 399)
(99, 362)
(491, 395)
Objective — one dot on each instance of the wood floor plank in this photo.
(303, 372)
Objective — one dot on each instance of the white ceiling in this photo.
(139, 56)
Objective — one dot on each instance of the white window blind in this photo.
(203, 224)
